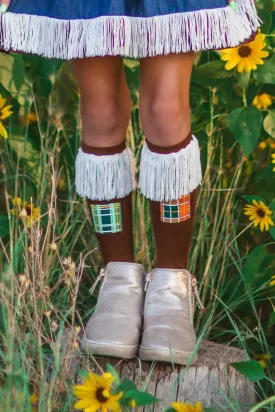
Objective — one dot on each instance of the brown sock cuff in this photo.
(170, 149)
(101, 151)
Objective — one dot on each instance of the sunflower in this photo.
(272, 282)
(187, 407)
(262, 101)
(260, 214)
(95, 394)
(25, 210)
(262, 358)
(247, 56)
(4, 113)
(34, 400)
(273, 161)
(30, 119)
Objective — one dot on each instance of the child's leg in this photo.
(170, 173)
(105, 175)
(165, 116)
(104, 169)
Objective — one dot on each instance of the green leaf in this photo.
(271, 321)
(126, 386)
(266, 72)
(269, 123)
(252, 265)
(11, 84)
(243, 79)
(213, 70)
(249, 198)
(4, 225)
(115, 374)
(272, 231)
(266, 17)
(210, 410)
(18, 71)
(252, 370)
(84, 374)
(245, 124)
(170, 410)
(141, 398)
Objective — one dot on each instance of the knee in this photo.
(166, 120)
(104, 120)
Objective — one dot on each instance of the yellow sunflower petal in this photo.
(262, 54)
(230, 51)
(231, 64)
(3, 131)
(91, 409)
(246, 65)
(254, 216)
(240, 67)
(262, 225)
(259, 38)
(199, 407)
(5, 112)
(255, 203)
(117, 397)
(256, 222)
(180, 407)
(2, 101)
(270, 221)
(88, 403)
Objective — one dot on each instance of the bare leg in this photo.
(104, 98)
(105, 110)
(169, 177)
(164, 98)
(165, 117)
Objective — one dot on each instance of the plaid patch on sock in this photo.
(176, 211)
(107, 218)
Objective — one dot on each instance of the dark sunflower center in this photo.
(100, 397)
(28, 210)
(244, 51)
(261, 213)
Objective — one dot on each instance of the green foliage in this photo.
(110, 369)
(252, 370)
(269, 123)
(245, 124)
(132, 396)
(252, 266)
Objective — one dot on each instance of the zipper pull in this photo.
(98, 279)
(148, 279)
(195, 288)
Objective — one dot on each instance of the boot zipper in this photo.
(196, 292)
(98, 279)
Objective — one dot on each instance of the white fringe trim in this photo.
(105, 177)
(165, 177)
(129, 36)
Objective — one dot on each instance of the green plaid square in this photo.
(107, 218)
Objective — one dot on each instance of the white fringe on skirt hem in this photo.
(105, 177)
(129, 36)
(165, 177)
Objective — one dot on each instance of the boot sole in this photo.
(109, 349)
(178, 357)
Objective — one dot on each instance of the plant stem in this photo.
(265, 402)
(244, 98)
(247, 227)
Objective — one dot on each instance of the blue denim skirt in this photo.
(136, 28)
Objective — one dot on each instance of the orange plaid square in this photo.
(176, 211)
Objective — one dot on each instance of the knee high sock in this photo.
(106, 177)
(169, 177)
